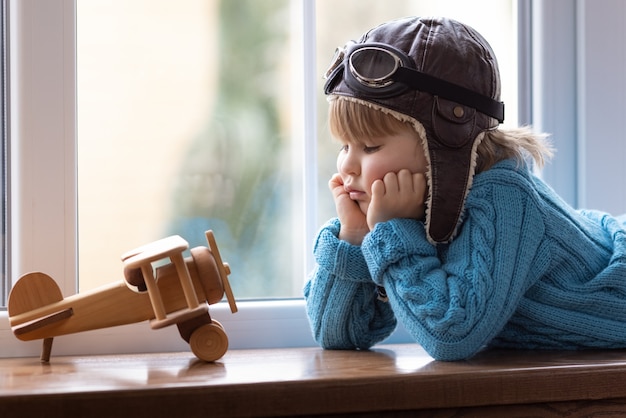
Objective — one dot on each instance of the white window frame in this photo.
(42, 232)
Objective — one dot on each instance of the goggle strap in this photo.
(438, 87)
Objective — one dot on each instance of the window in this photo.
(187, 121)
(299, 44)
(578, 95)
(3, 159)
(192, 120)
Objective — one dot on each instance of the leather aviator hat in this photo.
(442, 77)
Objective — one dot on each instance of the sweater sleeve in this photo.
(455, 300)
(341, 299)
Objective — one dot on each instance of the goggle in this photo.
(380, 71)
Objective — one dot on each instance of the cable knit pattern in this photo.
(341, 297)
(525, 271)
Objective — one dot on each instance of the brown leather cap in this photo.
(455, 53)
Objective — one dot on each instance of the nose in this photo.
(348, 163)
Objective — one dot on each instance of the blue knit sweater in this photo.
(525, 271)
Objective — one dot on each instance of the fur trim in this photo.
(470, 181)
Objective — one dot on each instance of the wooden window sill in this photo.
(396, 380)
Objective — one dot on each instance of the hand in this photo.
(400, 195)
(353, 221)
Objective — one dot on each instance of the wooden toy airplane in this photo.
(178, 292)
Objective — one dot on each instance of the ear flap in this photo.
(451, 150)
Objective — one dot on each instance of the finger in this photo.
(335, 184)
(405, 180)
(418, 177)
(419, 183)
(378, 188)
(391, 182)
(335, 181)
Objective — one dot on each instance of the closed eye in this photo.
(370, 150)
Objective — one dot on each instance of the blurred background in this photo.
(190, 118)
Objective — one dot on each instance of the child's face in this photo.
(360, 164)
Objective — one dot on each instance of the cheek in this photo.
(383, 163)
(415, 163)
(374, 171)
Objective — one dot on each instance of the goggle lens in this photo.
(374, 66)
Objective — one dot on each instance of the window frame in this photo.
(42, 213)
(4, 280)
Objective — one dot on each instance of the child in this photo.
(441, 223)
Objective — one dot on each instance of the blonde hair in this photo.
(354, 122)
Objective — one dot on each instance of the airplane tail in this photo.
(32, 291)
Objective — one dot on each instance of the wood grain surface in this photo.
(389, 380)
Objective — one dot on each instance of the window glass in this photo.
(185, 124)
(189, 118)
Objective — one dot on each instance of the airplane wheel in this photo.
(218, 323)
(209, 342)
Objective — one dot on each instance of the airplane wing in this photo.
(42, 322)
